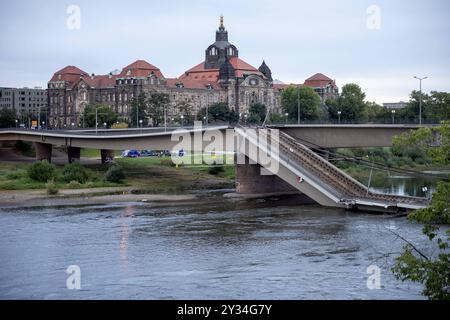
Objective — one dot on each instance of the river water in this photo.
(207, 249)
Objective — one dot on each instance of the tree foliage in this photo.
(350, 103)
(257, 113)
(413, 265)
(138, 109)
(309, 103)
(156, 102)
(7, 118)
(219, 112)
(104, 115)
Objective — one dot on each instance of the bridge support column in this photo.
(250, 181)
(73, 154)
(43, 151)
(107, 155)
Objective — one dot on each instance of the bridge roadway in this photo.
(325, 136)
(300, 169)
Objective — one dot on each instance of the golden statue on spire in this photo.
(221, 22)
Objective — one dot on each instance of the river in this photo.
(206, 249)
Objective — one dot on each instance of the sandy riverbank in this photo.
(33, 198)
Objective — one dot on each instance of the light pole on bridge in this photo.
(420, 99)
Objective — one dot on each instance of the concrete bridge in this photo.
(300, 169)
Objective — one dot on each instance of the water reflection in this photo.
(405, 185)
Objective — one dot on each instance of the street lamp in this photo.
(43, 124)
(286, 117)
(393, 116)
(420, 102)
(245, 119)
(182, 120)
(17, 122)
(339, 116)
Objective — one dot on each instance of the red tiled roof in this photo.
(199, 72)
(319, 80)
(192, 84)
(319, 77)
(102, 81)
(140, 68)
(70, 74)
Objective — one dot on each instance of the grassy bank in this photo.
(149, 175)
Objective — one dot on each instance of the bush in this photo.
(115, 174)
(73, 185)
(41, 171)
(74, 172)
(51, 188)
(215, 170)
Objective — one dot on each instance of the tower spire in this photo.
(221, 26)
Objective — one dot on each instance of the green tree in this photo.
(186, 109)
(156, 103)
(413, 265)
(218, 112)
(350, 103)
(438, 108)
(257, 113)
(309, 103)
(104, 115)
(7, 118)
(138, 109)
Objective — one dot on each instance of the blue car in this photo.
(148, 153)
(131, 154)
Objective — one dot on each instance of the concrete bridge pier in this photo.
(73, 154)
(43, 151)
(107, 155)
(250, 181)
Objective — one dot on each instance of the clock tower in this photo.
(221, 50)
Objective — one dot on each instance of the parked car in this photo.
(131, 154)
(148, 153)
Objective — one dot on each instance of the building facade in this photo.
(27, 102)
(222, 77)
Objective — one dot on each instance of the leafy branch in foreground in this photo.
(412, 264)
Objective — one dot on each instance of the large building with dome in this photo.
(222, 77)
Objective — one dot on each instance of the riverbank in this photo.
(39, 198)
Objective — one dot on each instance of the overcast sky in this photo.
(296, 39)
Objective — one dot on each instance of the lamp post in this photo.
(182, 120)
(393, 116)
(420, 101)
(96, 120)
(165, 118)
(140, 123)
(339, 116)
(17, 122)
(286, 117)
(245, 119)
